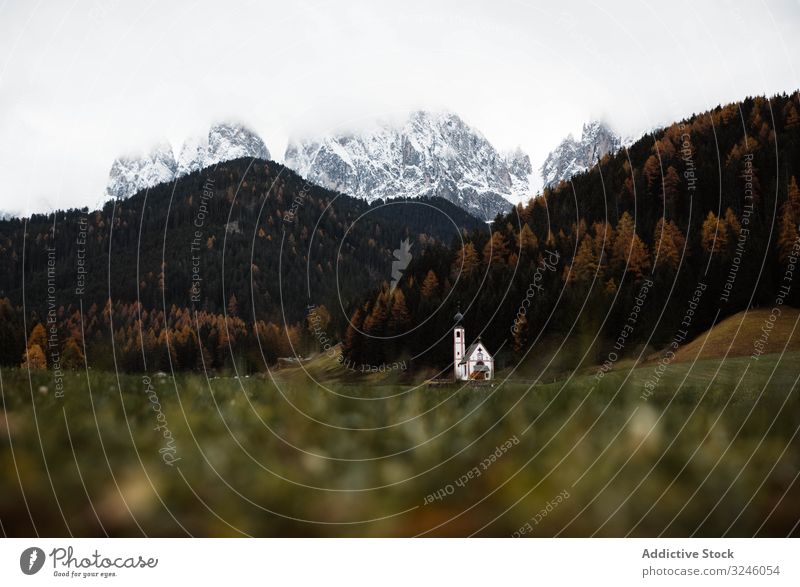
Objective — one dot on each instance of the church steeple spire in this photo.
(459, 316)
(459, 345)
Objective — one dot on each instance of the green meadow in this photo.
(315, 450)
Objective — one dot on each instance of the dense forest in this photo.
(246, 262)
(688, 225)
(219, 267)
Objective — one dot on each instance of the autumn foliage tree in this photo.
(669, 245)
(527, 240)
(430, 287)
(629, 252)
(671, 191)
(399, 316)
(714, 234)
(72, 355)
(38, 336)
(495, 253)
(585, 264)
(34, 358)
(467, 261)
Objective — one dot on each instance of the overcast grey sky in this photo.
(83, 82)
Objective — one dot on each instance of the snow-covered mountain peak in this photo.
(224, 142)
(232, 141)
(424, 154)
(192, 155)
(571, 156)
(130, 174)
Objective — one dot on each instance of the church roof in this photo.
(471, 349)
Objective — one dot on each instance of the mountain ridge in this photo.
(425, 154)
(573, 156)
(224, 142)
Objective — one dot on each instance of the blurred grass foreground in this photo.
(710, 450)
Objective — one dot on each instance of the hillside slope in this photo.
(190, 269)
(251, 224)
(737, 335)
(704, 211)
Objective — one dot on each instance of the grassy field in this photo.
(711, 451)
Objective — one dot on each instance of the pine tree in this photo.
(585, 264)
(72, 355)
(466, 262)
(495, 252)
(34, 358)
(579, 230)
(793, 198)
(603, 241)
(550, 241)
(38, 336)
(790, 114)
(787, 226)
(399, 316)
(652, 173)
(714, 235)
(639, 258)
(623, 237)
(526, 240)
(233, 306)
(732, 224)
(628, 191)
(671, 191)
(430, 287)
(787, 234)
(664, 147)
(669, 245)
(375, 323)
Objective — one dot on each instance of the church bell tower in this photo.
(459, 346)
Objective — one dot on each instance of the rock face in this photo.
(225, 142)
(520, 169)
(427, 154)
(129, 175)
(572, 157)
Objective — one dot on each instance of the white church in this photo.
(473, 363)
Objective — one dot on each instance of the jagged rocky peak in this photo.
(192, 156)
(232, 141)
(131, 174)
(224, 142)
(599, 139)
(519, 163)
(424, 154)
(576, 156)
